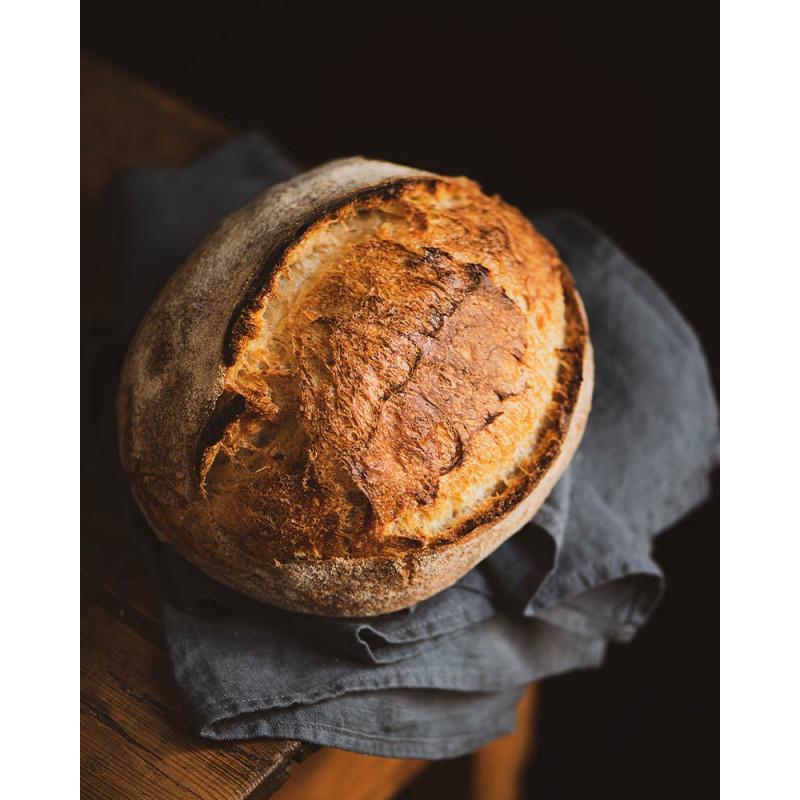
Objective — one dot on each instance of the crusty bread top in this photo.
(393, 376)
(368, 361)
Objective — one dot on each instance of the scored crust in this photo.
(355, 389)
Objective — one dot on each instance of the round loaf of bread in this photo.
(355, 389)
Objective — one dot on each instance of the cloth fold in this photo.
(442, 677)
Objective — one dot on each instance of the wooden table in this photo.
(135, 740)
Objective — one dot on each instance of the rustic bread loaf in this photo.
(355, 389)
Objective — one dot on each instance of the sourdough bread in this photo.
(355, 389)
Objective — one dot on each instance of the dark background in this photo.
(610, 109)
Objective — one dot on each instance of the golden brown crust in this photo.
(387, 386)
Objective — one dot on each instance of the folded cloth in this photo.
(442, 678)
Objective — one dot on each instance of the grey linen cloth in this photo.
(442, 678)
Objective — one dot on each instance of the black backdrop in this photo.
(610, 109)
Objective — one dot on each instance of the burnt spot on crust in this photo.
(229, 407)
(458, 455)
(433, 255)
(491, 417)
(479, 274)
(405, 543)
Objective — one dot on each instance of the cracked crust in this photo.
(357, 388)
